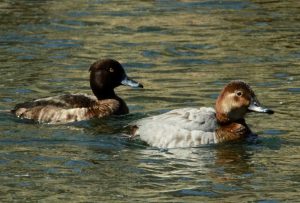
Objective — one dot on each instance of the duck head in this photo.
(107, 74)
(235, 100)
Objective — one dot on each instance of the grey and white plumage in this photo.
(192, 127)
(186, 127)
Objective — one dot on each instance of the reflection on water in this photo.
(183, 52)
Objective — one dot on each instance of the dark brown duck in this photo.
(105, 75)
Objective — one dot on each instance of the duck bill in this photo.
(131, 83)
(255, 106)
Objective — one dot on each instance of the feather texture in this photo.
(66, 108)
(186, 127)
(191, 127)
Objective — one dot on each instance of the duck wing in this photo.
(62, 101)
(65, 108)
(186, 127)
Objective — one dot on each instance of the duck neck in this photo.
(231, 130)
(222, 118)
(104, 94)
(110, 94)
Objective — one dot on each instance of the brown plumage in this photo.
(233, 131)
(105, 75)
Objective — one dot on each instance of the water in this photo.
(183, 52)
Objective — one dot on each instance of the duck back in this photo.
(186, 127)
(66, 108)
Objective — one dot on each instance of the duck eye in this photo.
(239, 93)
(111, 70)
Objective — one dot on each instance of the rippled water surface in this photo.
(183, 52)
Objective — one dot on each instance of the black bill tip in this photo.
(131, 83)
(269, 111)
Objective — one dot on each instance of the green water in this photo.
(183, 52)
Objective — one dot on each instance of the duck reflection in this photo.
(218, 163)
(232, 162)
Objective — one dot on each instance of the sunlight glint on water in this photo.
(183, 52)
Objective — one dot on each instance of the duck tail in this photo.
(6, 111)
(130, 131)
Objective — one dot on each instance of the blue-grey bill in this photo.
(256, 107)
(131, 83)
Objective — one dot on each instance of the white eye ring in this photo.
(111, 70)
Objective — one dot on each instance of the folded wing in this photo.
(186, 127)
(65, 108)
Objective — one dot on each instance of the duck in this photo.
(105, 76)
(193, 127)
